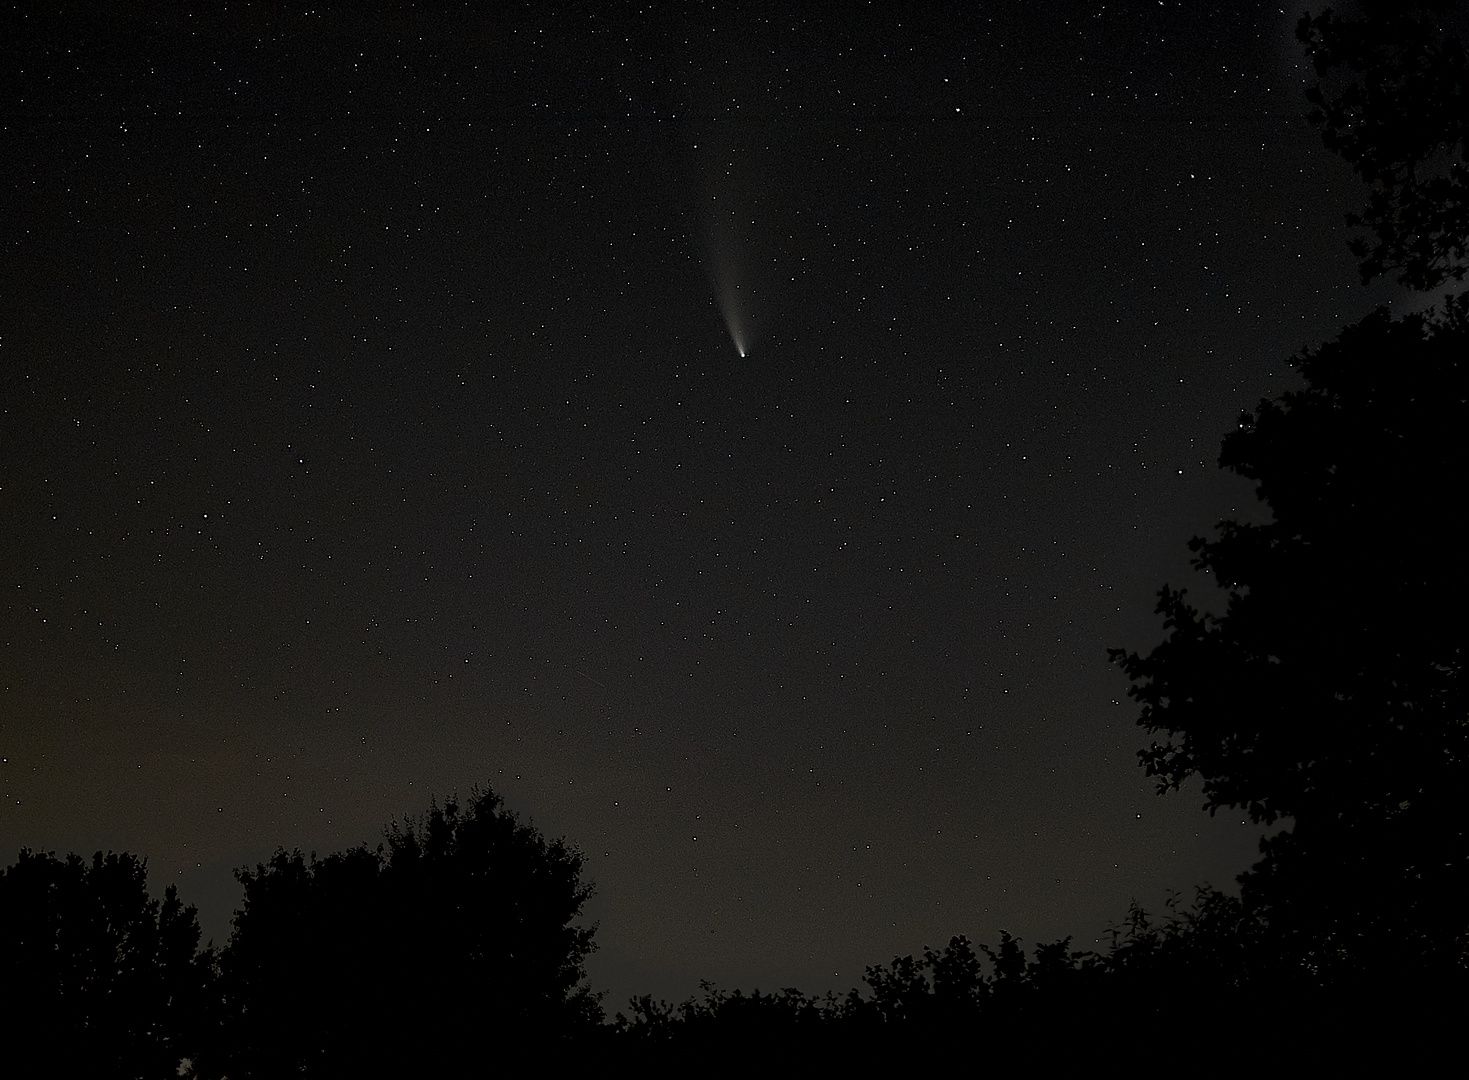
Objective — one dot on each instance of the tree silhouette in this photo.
(1330, 690)
(451, 945)
(102, 979)
(1393, 100)
(1329, 693)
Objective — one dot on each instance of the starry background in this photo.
(373, 423)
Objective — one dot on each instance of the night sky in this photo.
(373, 422)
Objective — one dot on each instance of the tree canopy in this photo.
(1329, 694)
(1330, 690)
(103, 979)
(1392, 99)
(454, 941)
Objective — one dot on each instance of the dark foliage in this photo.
(1330, 692)
(1393, 101)
(1199, 983)
(1328, 696)
(101, 979)
(1177, 979)
(452, 944)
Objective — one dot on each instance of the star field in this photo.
(371, 429)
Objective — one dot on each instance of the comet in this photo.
(729, 235)
(729, 307)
